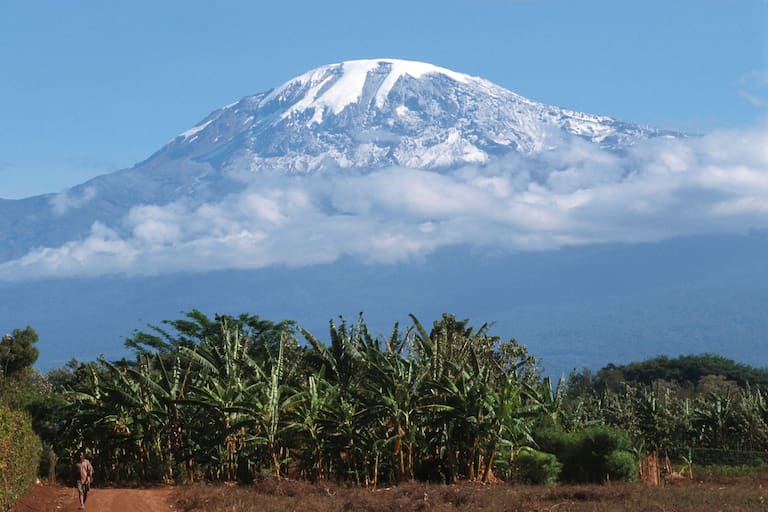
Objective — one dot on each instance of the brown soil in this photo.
(717, 495)
(46, 498)
(742, 494)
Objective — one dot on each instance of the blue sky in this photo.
(88, 87)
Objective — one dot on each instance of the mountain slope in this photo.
(577, 307)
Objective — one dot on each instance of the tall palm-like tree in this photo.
(715, 419)
(227, 379)
(393, 393)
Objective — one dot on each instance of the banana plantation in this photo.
(237, 398)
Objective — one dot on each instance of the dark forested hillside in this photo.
(688, 372)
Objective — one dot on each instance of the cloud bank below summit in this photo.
(576, 194)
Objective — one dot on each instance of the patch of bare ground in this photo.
(43, 498)
(56, 498)
(743, 494)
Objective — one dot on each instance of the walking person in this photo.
(84, 474)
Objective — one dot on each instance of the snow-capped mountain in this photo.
(365, 114)
(375, 113)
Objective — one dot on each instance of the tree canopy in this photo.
(18, 351)
(686, 371)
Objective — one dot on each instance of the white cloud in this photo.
(754, 88)
(71, 200)
(577, 194)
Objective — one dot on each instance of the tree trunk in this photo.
(489, 465)
(52, 460)
(649, 469)
(276, 462)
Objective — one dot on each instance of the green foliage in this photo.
(236, 397)
(19, 455)
(17, 351)
(536, 468)
(622, 465)
(684, 370)
(592, 455)
(24, 389)
(196, 327)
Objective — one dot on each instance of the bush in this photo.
(537, 468)
(19, 455)
(622, 466)
(592, 455)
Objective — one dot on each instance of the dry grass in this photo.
(748, 494)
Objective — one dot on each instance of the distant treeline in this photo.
(691, 374)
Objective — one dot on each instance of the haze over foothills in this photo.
(660, 140)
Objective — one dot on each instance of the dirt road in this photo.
(44, 498)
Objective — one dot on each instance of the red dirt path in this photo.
(44, 498)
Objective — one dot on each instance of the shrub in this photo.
(19, 455)
(592, 455)
(537, 468)
(622, 465)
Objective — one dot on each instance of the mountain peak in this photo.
(335, 86)
(373, 113)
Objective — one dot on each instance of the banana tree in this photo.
(167, 388)
(305, 428)
(225, 383)
(715, 419)
(394, 390)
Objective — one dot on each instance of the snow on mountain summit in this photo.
(336, 86)
(373, 113)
